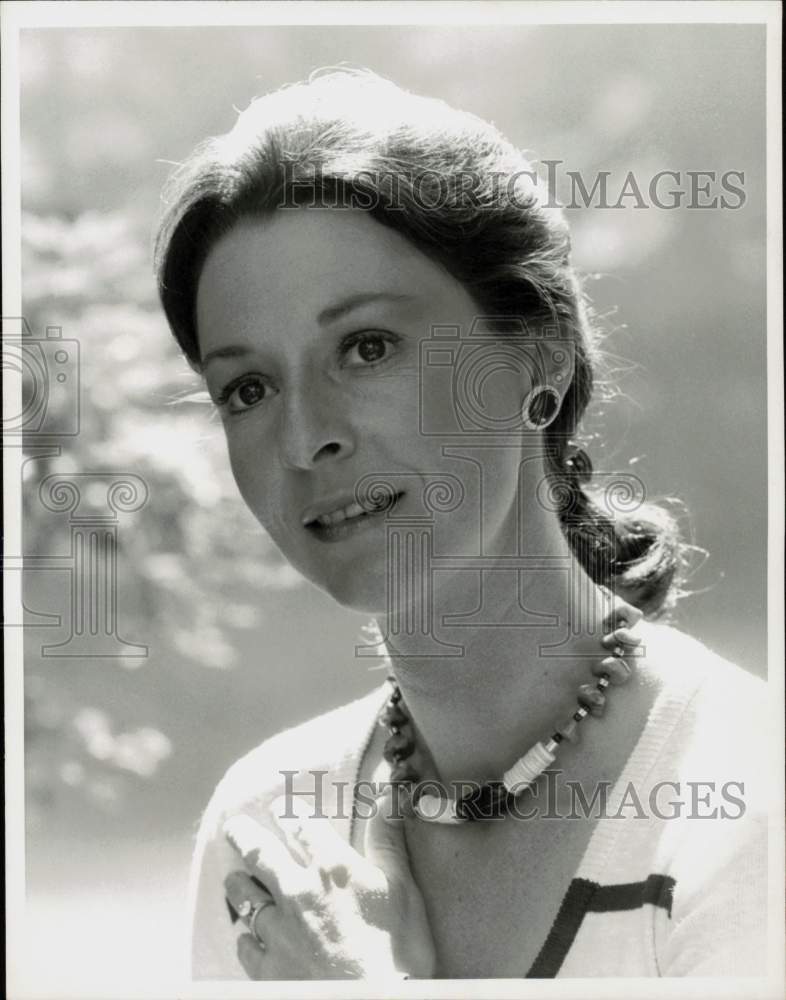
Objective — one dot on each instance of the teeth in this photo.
(351, 510)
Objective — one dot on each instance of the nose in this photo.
(314, 426)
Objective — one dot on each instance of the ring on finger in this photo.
(252, 921)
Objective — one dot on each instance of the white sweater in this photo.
(653, 896)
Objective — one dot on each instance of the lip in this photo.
(346, 529)
(336, 502)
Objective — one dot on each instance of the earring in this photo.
(539, 408)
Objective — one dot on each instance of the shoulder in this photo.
(688, 670)
(677, 653)
(710, 724)
(314, 758)
(713, 714)
(329, 745)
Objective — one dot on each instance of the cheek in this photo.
(252, 473)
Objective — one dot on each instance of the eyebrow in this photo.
(224, 352)
(324, 318)
(332, 313)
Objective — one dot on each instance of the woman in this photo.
(385, 314)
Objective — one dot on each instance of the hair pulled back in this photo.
(463, 195)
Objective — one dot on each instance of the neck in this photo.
(513, 673)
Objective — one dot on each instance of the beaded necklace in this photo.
(494, 799)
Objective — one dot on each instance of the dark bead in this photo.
(398, 747)
(490, 801)
(616, 669)
(592, 699)
(394, 716)
(403, 771)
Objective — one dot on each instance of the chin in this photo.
(356, 593)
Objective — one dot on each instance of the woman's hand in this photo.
(336, 915)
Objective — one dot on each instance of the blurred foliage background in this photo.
(122, 753)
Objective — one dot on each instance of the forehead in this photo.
(292, 265)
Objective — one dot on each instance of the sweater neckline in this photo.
(670, 704)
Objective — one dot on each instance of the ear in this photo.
(556, 358)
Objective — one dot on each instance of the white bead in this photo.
(437, 809)
(527, 768)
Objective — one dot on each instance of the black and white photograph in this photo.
(393, 489)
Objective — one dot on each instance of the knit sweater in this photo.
(673, 880)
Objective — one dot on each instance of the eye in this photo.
(244, 393)
(368, 349)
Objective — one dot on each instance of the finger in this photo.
(385, 842)
(234, 916)
(313, 836)
(251, 957)
(244, 894)
(264, 855)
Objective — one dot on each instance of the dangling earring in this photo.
(539, 408)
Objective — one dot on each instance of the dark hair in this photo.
(452, 185)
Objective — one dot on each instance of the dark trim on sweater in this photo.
(584, 896)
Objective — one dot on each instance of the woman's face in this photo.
(310, 326)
